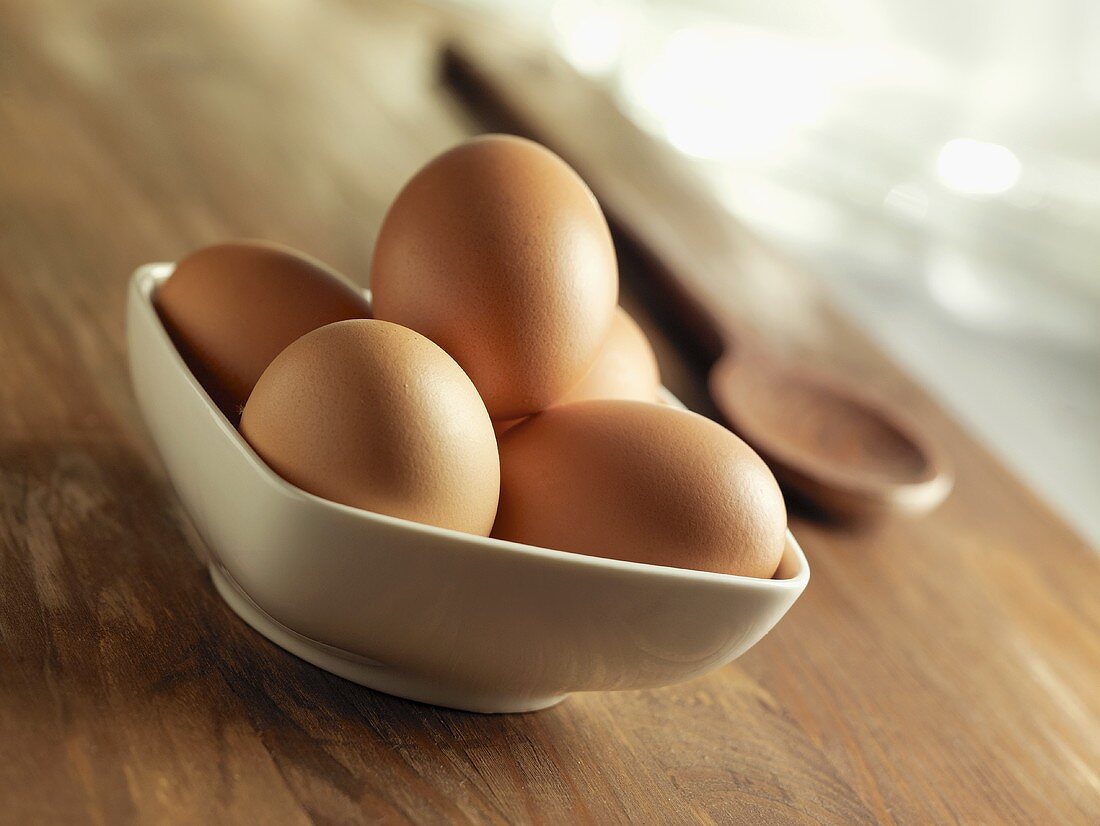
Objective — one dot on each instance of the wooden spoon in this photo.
(845, 450)
(848, 452)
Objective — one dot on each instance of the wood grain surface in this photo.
(943, 670)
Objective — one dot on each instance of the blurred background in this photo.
(937, 164)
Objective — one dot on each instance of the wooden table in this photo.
(941, 670)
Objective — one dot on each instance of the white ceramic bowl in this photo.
(422, 612)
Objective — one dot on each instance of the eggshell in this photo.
(501, 427)
(231, 308)
(374, 415)
(625, 367)
(642, 482)
(498, 252)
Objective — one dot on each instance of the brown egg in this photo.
(625, 367)
(502, 427)
(497, 252)
(231, 308)
(641, 482)
(373, 415)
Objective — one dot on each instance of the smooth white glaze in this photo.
(422, 612)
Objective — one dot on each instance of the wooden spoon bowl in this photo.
(845, 450)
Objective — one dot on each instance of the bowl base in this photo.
(362, 670)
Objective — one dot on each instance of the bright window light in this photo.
(977, 168)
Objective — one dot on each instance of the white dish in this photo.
(421, 612)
